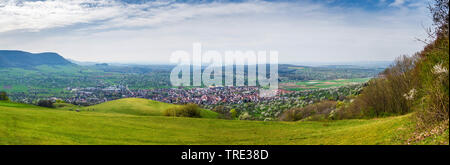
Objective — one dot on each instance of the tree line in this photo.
(417, 83)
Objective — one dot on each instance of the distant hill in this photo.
(14, 58)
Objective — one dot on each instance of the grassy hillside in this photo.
(139, 106)
(27, 124)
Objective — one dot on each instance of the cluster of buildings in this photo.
(201, 96)
(95, 95)
(207, 96)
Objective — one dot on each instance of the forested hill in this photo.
(14, 58)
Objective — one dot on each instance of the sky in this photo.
(148, 32)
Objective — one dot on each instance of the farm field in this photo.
(317, 84)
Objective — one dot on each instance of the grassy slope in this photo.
(139, 106)
(26, 124)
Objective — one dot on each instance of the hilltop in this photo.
(14, 58)
(140, 106)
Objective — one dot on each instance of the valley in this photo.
(136, 104)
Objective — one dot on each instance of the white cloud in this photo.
(149, 32)
(397, 3)
(39, 15)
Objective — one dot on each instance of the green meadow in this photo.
(138, 121)
(134, 106)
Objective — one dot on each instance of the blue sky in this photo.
(133, 31)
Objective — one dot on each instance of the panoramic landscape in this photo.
(114, 73)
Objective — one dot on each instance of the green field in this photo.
(28, 124)
(317, 84)
(138, 106)
(52, 80)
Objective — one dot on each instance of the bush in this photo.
(224, 112)
(60, 105)
(60, 101)
(434, 77)
(392, 93)
(317, 111)
(189, 110)
(433, 71)
(3, 96)
(419, 82)
(350, 111)
(233, 113)
(245, 116)
(45, 103)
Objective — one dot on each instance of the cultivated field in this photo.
(317, 84)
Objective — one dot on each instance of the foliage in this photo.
(245, 116)
(45, 103)
(420, 82)
(439, 10)
(274, 108)
(223, 111)
(315, 111)
(433, 71)
(233, 113)
(60, 101)
(392, 93)
(3, 95)
(189, 110)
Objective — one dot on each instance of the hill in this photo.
(14, 58)
(27, 124)
(140, 107)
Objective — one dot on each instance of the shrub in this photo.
(418, 82)
(434, 76)
(317, 111)
(224, 112)
(245, 116)
(60, 101)
(45, 103)
(352, 110)
(4, 96)
(289, 115)
(189, 110)
(233, 113)
(392, 93)
(170, 112)
(60, 105)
